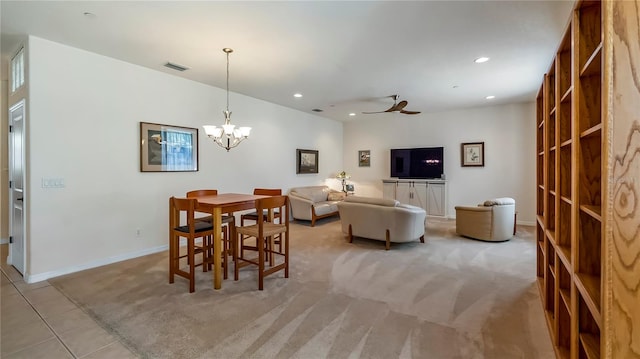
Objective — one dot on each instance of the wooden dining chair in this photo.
(253, 216)
(228, 222)
(263, 232)
(182, 224)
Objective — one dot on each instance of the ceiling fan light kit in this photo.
(397, 107)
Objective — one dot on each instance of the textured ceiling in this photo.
(343, 56)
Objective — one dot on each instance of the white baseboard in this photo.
(520, 223)
(104, 261)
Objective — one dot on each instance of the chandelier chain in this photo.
(227, 80)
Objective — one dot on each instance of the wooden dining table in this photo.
(225, 203)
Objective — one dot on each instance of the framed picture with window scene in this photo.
(166, 148)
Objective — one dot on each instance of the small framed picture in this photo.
(306, 161)
(472, 154)
(364, 158)
(166, 148)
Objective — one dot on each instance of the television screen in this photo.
(419, 163)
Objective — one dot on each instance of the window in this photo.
(17, 70)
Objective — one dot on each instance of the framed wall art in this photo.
(166, 148)
(364, 158)
(472, 154)
(306, 161)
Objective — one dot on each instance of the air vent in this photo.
(176, 66)
(316, 110)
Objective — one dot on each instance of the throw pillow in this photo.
(336, 196)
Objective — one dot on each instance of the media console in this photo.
(430, 194)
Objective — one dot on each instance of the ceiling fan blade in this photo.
(409, 112)
(369, 113)
(402, 104)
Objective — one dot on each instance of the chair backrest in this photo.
(271, 204)
(202, 192)
(179, 205)
(268, 191)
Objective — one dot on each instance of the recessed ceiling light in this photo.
(490, 97)
(352, 114)
(480, 60)
(298, 95)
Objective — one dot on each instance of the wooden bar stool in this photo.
(228, 222)
(185, 208)
(264, 232)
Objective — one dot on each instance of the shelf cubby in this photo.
(589, 259)
(564, 64)
(566, 157)
(551, 93)
(551, 170)
(590, 101)
(563, 238)
(564, 330)
(590, 170)
(550, 283)
(550, 223)
(540, 201)
(564, 121)
(540, 259)
(551, 129)
(589, 30)
(588, 332)
(564, 285)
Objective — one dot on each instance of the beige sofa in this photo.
(381, 219)
(313, 202)
(491, 221)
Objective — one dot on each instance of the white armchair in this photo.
(493, 220)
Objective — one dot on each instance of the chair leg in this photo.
(225, 254)
(388, 244)
(286, 253)
(192, 266)
(422, 238)
(350, 235)
(237, 249)
(172, 258)
(260, 243)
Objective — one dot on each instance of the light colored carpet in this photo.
(450, 297)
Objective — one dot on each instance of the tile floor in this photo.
(37, 321)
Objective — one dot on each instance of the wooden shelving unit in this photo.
(587, 187)
(569, 165)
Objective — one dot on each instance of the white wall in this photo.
(83, 126)
(508, 132)
(84, 119)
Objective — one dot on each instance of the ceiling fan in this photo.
(397, 107)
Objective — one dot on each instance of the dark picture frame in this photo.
(167, 148)
(364, 158)
(306, 161)
(472, 154)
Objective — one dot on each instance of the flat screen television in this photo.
(418, 163)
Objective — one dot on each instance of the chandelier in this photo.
(227, 136)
